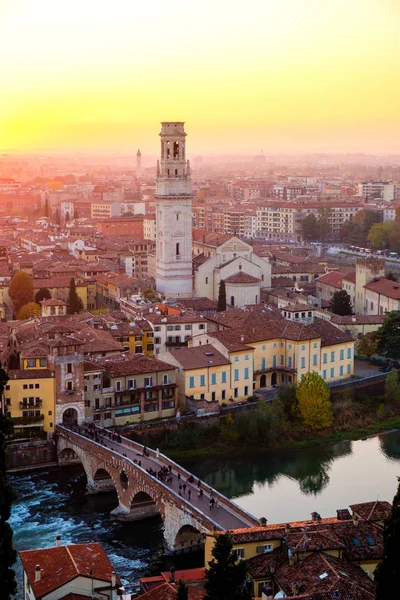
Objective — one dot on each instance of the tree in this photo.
(392, 387)
(42, 294)
(67, 217)
(182, 592)
(287, 398)
(324, 226)
(225, 579)
(221, 296)
(387, 573)
(310, 228)
(57, 217)
(341, 303)
(75, 304)
(314, 405)
(8, 555)
(46, 208)
(384, 235)
(367, 345)
(29, 311)
(388, 336)
(21, 290)
(391, 276)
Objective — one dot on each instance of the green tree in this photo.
(221, 296)
(42, 294)
(384, 235)
(29, 311)
(21, 290)
(8, 555)
(288, 400)
(182, 591)
(388, 336)
(75, 304)
(392, 387)
(367, 345)
(341, 303)
(314, 405)
(310, 228)
(387, 573)
(324, 226)
(225, 578)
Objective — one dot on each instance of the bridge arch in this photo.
(188, 539)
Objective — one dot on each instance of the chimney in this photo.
(295, 589)
(291, 558)
(314, 516)
(172, 575)
(242, 338)
(113, 579)
(287, 527)
(37, 574)
(263, 522)
(355, 520)
(58, 541)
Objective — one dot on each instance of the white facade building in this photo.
(377, 189)
(173, 215)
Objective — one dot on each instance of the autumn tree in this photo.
(387, 573)
(8, 555)
(225, 578)
(21, 290)
(367, 345)
(314, 405)
(392, 387)
(75, 304)
(29, 311)
(42, 294)
(388, 336)
(341, 303)
(221, 296)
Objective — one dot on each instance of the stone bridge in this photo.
(110, 465)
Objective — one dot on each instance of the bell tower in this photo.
(174, 275)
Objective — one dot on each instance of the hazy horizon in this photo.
(289, 77)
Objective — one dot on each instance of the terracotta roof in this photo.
(358, 319)
(282, 281)
(62, 564)
(35, 352)
(53, 302)
(350, 277)
(385, 287)
(196, 574)
(322, 573)
(30, 373)
(372, 511)
(135, 365)
(258, 566)
(334, 279)
(198, 304)
(241, 277)
(199, 357)
(166, 591)
(55, 282)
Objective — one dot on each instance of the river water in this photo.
(282, 486)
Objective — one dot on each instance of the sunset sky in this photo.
(282, 75)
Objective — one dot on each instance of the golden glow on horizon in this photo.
(278, 74)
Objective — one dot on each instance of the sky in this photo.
(278, 75)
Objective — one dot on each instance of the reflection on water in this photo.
(236, 476)
(289, 485)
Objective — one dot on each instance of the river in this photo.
(280, 485)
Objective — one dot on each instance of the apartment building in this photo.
(369, 190)
(105, 210)
(174, 330)
(207, 374)
(133, 388)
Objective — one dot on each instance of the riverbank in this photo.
(309, 439)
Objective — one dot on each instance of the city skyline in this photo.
(287, 76)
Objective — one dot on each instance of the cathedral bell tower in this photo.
(174, 275)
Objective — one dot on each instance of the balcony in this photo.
(27, 406)
(280, 368)
(108, 390)
(171, 344)
(34, 421)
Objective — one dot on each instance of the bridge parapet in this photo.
(249, 520)
(176, 511)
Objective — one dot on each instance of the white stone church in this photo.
(177, 273)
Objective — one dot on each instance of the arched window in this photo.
(232, 300)
(206, 279)
(177, 249)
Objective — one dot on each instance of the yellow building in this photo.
(30, 400)
(347, 547)
(207, 373)
(284, 350)
(59, 288)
